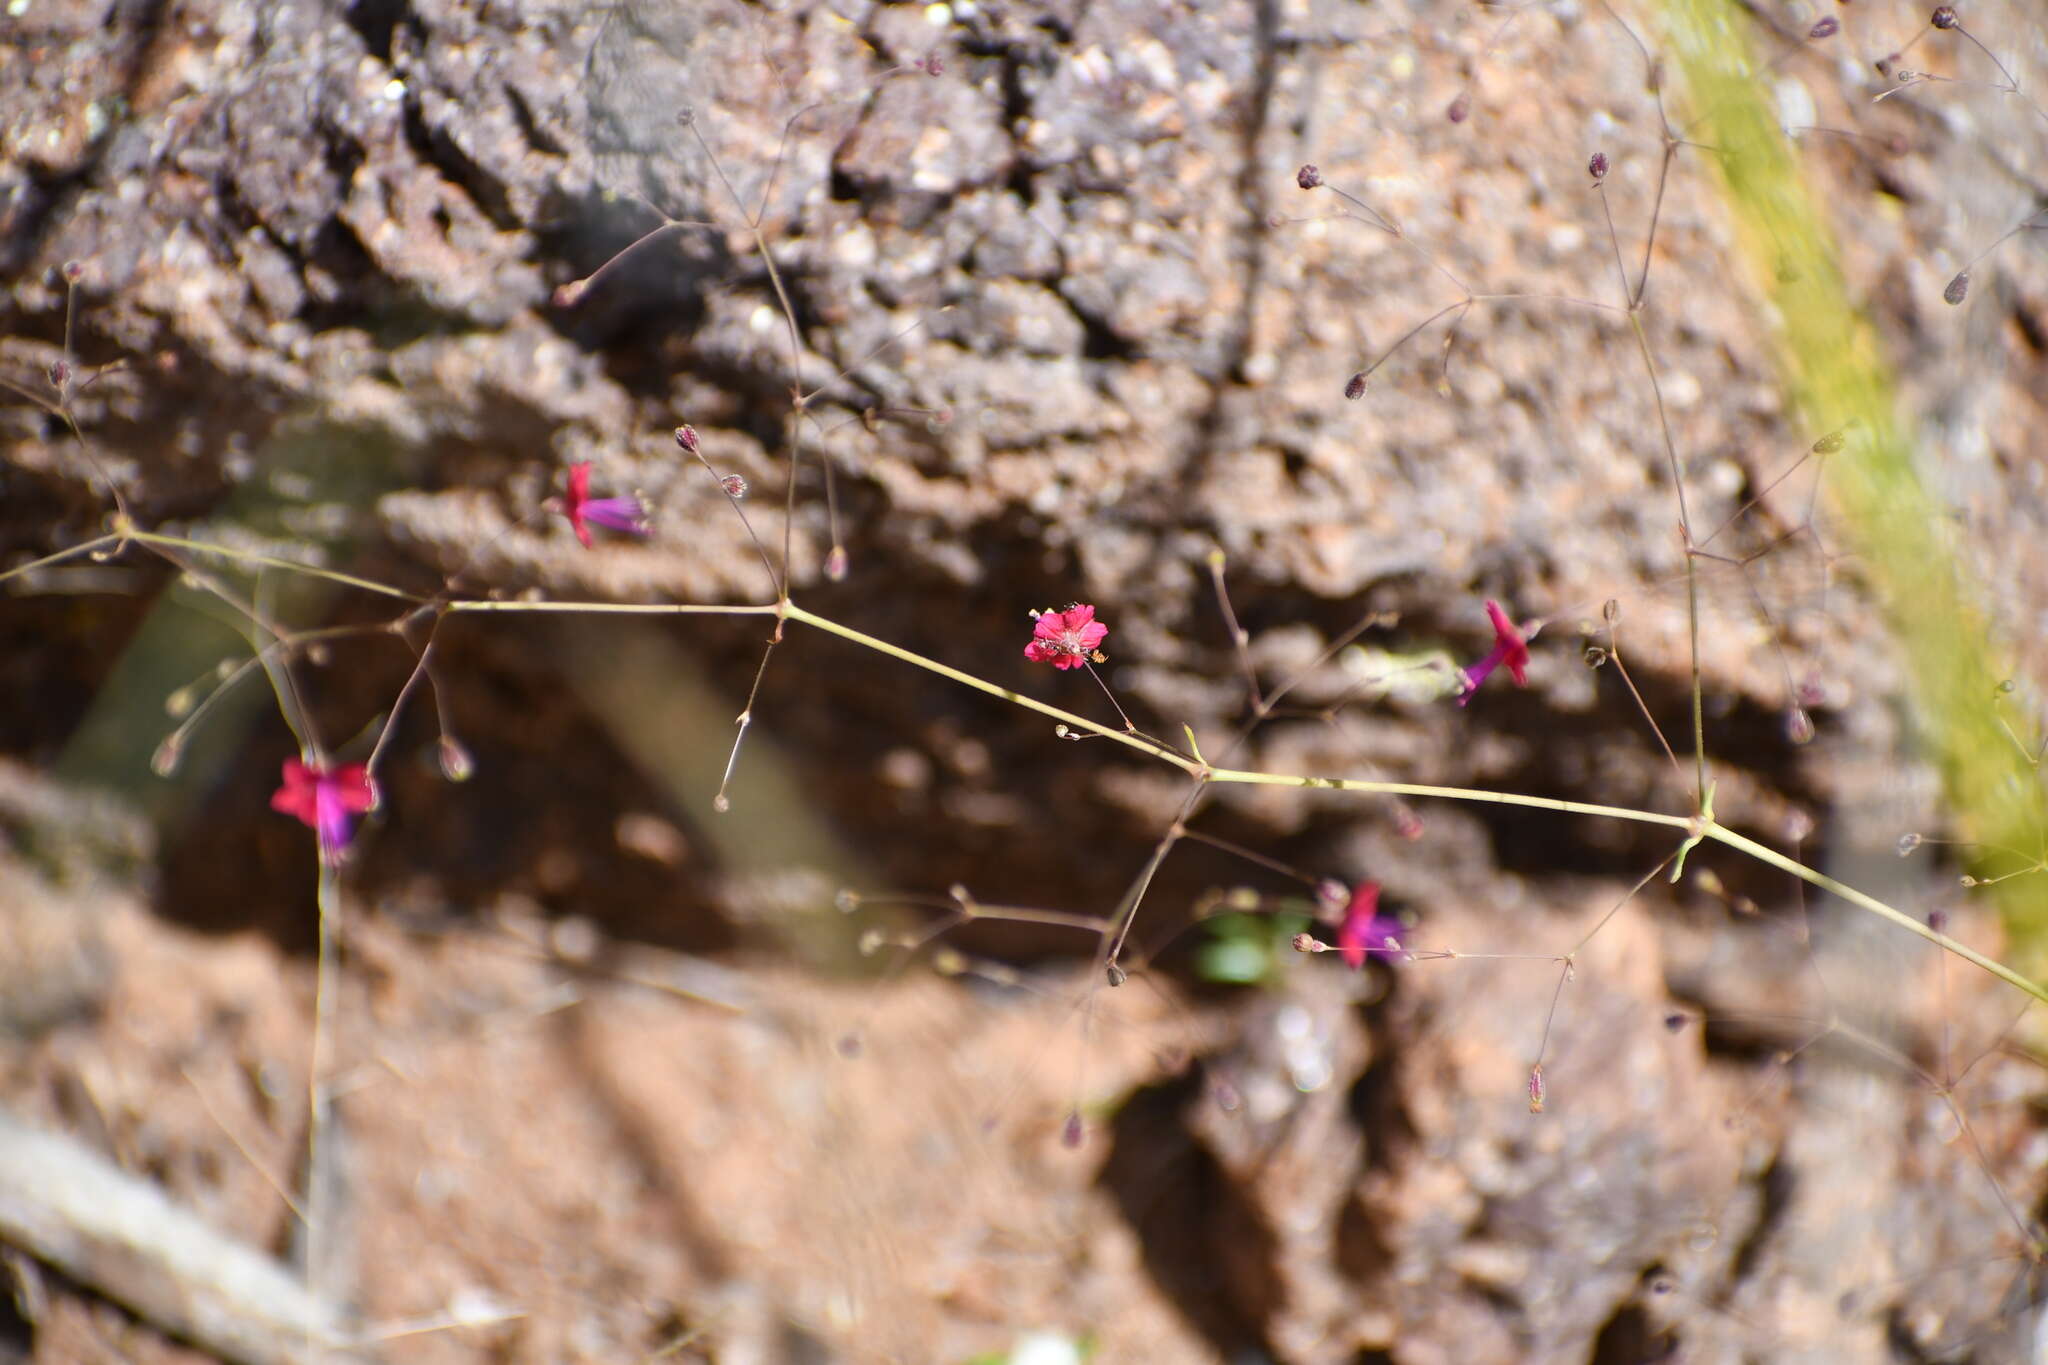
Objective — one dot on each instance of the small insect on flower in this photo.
(326, 800)
(1366, 930)
(627, 515)
(1510, 647)
(1067, 639)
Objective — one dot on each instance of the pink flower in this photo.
(327, 800)
(617, 514)
(1066, 639)
(1366, 930)
(1509, 647)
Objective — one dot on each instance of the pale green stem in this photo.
(1692, 825)
(86, 548)
(1145, 746)
(1695, 825)
(325, 984)
(269, 562)
(1765, 854)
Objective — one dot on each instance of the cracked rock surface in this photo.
(358, 281)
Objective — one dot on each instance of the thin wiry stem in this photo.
(1127, 913)
(722, 801)
(91, 547)
(325, 986)
(390, 727)
(1207, 775)
(1621, 667)
(158, 541)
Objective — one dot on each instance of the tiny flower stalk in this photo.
(626, 515)
(1510, 647)
(326, 800)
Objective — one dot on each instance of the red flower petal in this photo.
(296, 797)
(352, 787)
(576, 499)
(1358, 919)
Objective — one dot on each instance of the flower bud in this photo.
(1308, 177)
(456, 763)
(1799, 726)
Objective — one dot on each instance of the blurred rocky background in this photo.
(611, 1078)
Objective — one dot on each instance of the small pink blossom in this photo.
(1365, 930)
(326, 800)
(1510, 647)
(1066, 639)
(618, 514)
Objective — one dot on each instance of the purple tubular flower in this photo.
(1510, 647)
(626, 515)
(1366, 930)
